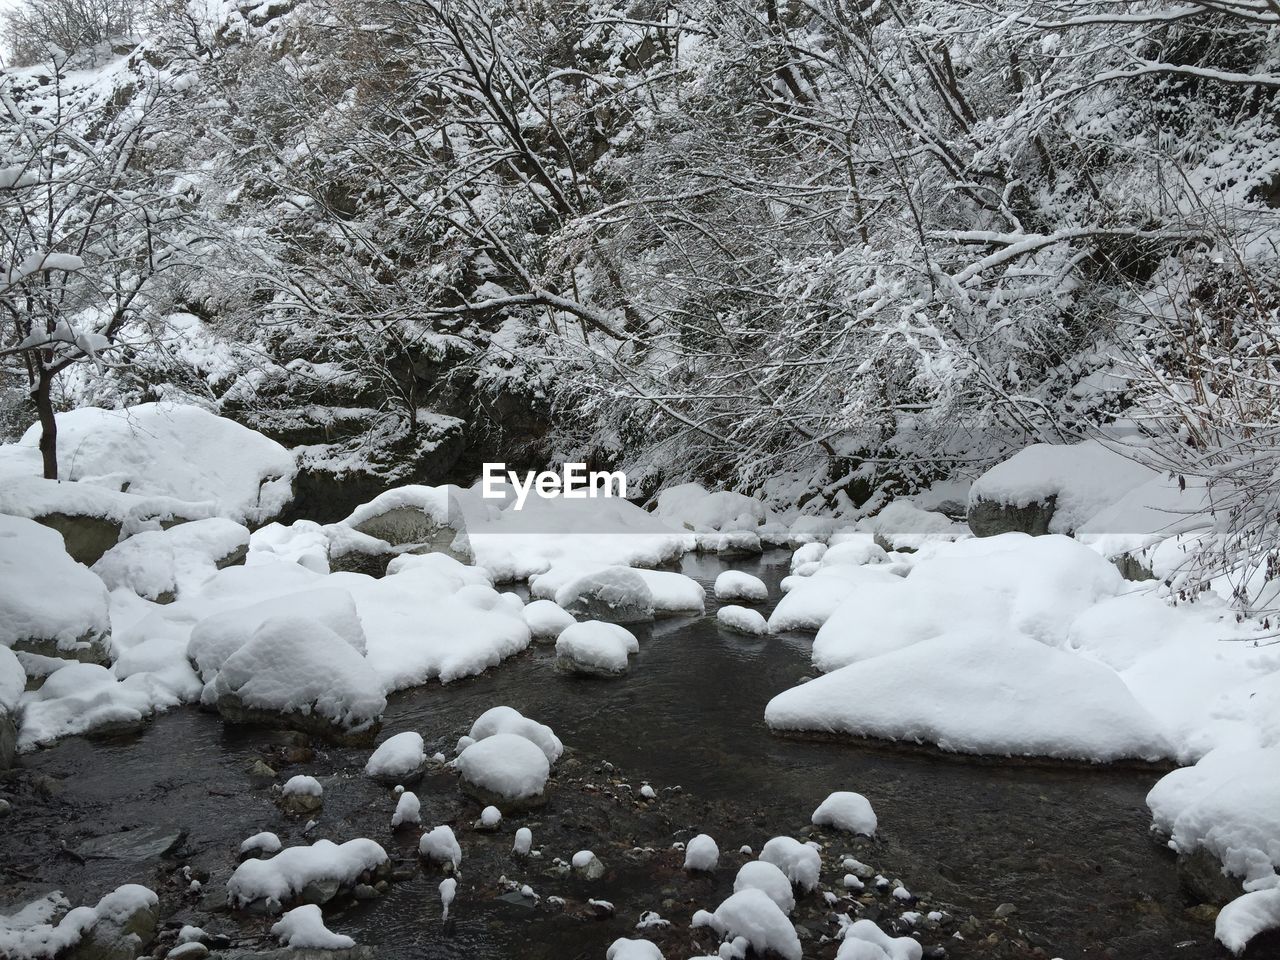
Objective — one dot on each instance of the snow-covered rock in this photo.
(505, 719)
(398, 759)
(904, 526)
(978, 691)
(848, 811)
(80, 697)
(158, 565)
(1245, 917)
(13, 681)
(260, 843)
(302, 794)
(121, 924)
(523, 842)
(615, 594)
(742, 620)
(701, 853)
(50, 605)
(596, 648)
(546, 619)
(799, 861)
(811, 600)
(625, 949)
(864, 940)
(408, 811)
(1052, 488)
(505, 770)
(736, 585)
(282, 879)
(428, 518)
(302, 928)
(769, 879)
(297, 672)
(439, 845)
(693, 507)
(750, 913)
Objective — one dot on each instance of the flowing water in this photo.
(1068, 847)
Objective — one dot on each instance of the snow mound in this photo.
(701, 853)
(265, 842)
(408, 810)
(751, 914)
(440, 846)
(616, 594)
(693, 507)
(397, 758)
(161, 564)
(172, 450)
(595, 647)
(283, 877)
(770, 880)
(497, 720)
(812, 600)
(505, 766)
(1083, 479)
(13, 680)
(302, 928)
(846, 811)
(742, 620)
(798, 861)
(976, 691)
(736, 585)
(80, 697)
(624, 949)
(863, 940)
(30, 933)
(298, 667)
(904, 526)
(302, 785)
(1245, 917)
(34, 567)
(546, 620)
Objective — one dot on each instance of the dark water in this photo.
(1069, 848)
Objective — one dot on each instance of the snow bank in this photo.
(283, 877)
(979, 691)
(742, 620)
(160, 564)
(736, 585)
(799, 861)
(50, 604)
(298, 667)
(751, 914)
(302, 928)
(595, 647)
(504, 719)
(397, 759)
(505, 766)
(811, 600)
(846, 811)
(769, 879)
(171, 450)
(1084, 478)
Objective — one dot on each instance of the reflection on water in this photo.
(1069, 848)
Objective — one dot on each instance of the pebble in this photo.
(1005, 909)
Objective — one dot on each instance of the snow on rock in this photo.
(408, 810)
(506, 770)
(864, 940)
(546, 619)
(50, 605)
(979, 691)
(80, 697)
(172, 450)
(799, 861)
(398, 759)
(1008, 583)
(904, 526)
(596, 648)
(768, 878)
(736, 585)
(1229, 805)
(750, 913)
(523, 842)
(625, 949)
(302, 928)
(854, 549)
(693, 507)
(123, 920)
(282, 878)
(264, 842)
(846, 811)
(807, 553)
(1052, 488)
(297, 672)
(1245, 917)
(159, 565)
(448, 891)
(812, 600)
(432, 518)
(215, 638)
(742, 620)
(13, 681)
(439, 845)
(505, 719)
(301, 794)
(615, 594)
(701, 853)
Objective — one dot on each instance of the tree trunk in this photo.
(42, 396)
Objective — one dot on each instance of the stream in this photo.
(1067, 847)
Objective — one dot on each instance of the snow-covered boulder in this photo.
(1245, 917)
(302, 928)
(701, 853)
(439, 845)
(80, 697)
(50, 605)
(864, 940)
(546, 619)
(978, 691)
(615, 594)
(595, 648)
(811, 600)
(428, 519)
(120, 925)
(742, 620)
(902, 526)
(13, 680)
(799, 861)
(506, 771)
(398, 759)
(505, 719)
(768, 878)
(158, 565)
(751, 914)
(736, 585)
(296, 672)
(408, 812)
(695, 508)
(316, 873)
(848, 811)
(625, 949)
(302, 794)
(1051, 488)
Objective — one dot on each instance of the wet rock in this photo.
(260, 770)
(989, 518)
(1005, 910)
(412, 527)
(588, 867)
(1201, 876)
(188, 951)
(1202, 913)
(118, 937)
(6, 808)
(143, 843)
(300, 804)
(615, 594)
(320, 892)
(363, 891)
(234, 710)
(8, 739)
(288, 953)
